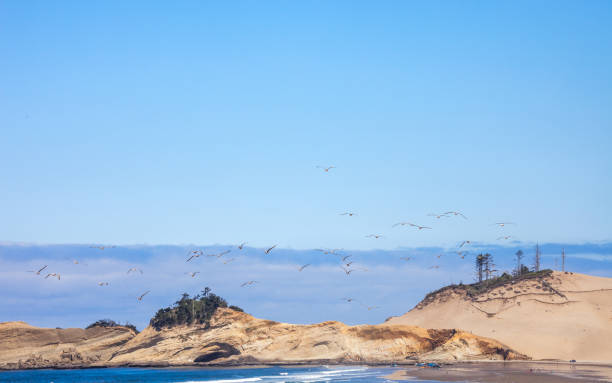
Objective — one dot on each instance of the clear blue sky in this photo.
(201, 122)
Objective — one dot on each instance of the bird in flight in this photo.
(406, 258)
(435, 267)
(372, 307)
(349, 300)
(465, 243)
(502, 224)
(411, 224)
(134, 269)
(241, 246)
(194, 254)
(462, 254)
(437, 215)
(346, 270)
(346, 257)
(304, 266)
(102, 283)
(329, 251)
(326, 169)
(38, 272)
(375, 236)
(228, 261)
(505, 237)
(270, 249)
(350, 214)
(249, 283)
(348, 264)
(142, 296)
(102, 247)
(193, 274)
(56, 275)
(439, 255)
(221, 253)
(455, 213)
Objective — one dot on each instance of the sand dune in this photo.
(562, 316)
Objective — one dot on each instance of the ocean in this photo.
(208, 375)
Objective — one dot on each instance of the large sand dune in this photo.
(561, 316)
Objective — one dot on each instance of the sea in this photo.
(209, 375)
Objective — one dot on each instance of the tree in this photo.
(479, 266)
(488, 266)
(519, 256)
(536, 263)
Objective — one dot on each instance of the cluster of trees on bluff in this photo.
(190, 310)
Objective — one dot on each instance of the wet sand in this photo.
(509, 372)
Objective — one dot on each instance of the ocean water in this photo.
(193, 375)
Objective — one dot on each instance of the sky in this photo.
(146, 123)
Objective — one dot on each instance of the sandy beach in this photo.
(509, 372)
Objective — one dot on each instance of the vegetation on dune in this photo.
(190, 310)
(112, 323)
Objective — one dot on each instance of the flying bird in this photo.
(228, 261)
(349, 300)
(411, 224)
(56, 275)
(194, 254)
(437, 215)
(465, 243)
(142, 296)
(102, 247)
(270, 249)
(346, 257)
(249, 283)
(375, 236)
(134, 269)
(326, 169)
(241, 246)
(38, 272)
(329, 251)
(372, 307)
(505, 237)
(348, 264)
(439, 255)
(304, 266)
(435, 267)
(455, 213)
(346, 270)
(502, 224)
(192, 274)
(406, 258)
(222, 253)
(350, 214)
(462, 254)
(102, 283)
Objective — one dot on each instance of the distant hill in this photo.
(552, 315)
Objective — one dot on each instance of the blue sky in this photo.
(147, 122)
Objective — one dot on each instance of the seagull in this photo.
(326, 169)
(437, 215)
(348, 264)
(228, 261)
(347, 271)
(455, 213)
(102, 283)
(502, 224)
(134, 269)
(435, 267)
(329, 251)
(241, 246)
(349, 300)
(504, 237)
(461, 253)
(193, 274)
(465, 243)
(194, 254)
(38, 272)
(350, 214)
(346, 257)
(375, 236)
(303, 267)
(249, 283)
(53, 275)
(270, 249)
(411, 224)
(222, 253)
(142, 296)
(439, 255)
(102, 247)
(406, 258)
(372, 307)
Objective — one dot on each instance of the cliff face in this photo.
(25, 346)
(559, 316)
(238, 338)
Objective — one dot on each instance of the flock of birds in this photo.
(345, 260)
